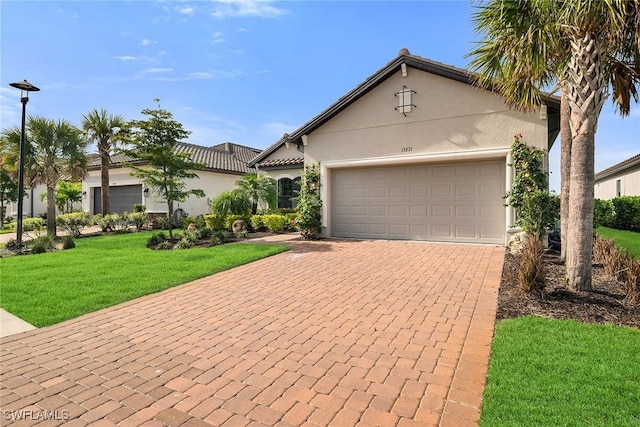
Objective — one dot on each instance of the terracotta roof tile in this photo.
(282, 162)
(225, 157)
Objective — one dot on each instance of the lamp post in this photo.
(25, 87)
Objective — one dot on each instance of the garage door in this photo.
(450, 202)
(121, 198)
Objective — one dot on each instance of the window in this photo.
(618, 193)
(287, 193)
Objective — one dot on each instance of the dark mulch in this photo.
(604, 304)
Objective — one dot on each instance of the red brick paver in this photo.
(331, 333)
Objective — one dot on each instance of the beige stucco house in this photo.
(224, 165)
(413, 152)
(622, 179)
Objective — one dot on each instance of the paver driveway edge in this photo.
(338, 333)
(464, 400)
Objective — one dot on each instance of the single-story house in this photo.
(622, 179)
(416, 151)
(224, 165)
(34, 203)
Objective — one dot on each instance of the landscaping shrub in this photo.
(204, 233)
(165, 245)
(531, 274)
(137, 219)
(31, 224)
(606, 252)
(309, 210)
(187, 241)
(220, 237)
(68, 242)
(291, 220)
(256, 222)
(231, 218)
(626, 213)
(602, 213)
(631, 278)
(214, 222)
(109, 222)
(231, 203)
(73, 223)
(274, 223)
(41, 244)
(197, 221)
(539, 212)
(138, 207)
(156, 239)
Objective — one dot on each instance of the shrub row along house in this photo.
(415, 151)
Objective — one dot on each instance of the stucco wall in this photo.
(212, 183)
(450, 117)
(33, 204)
(629, 184)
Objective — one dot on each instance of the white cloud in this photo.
(147, 42)
(218, 38)
(126, 58)
(186, 10)
(246, 8)
(157, 70)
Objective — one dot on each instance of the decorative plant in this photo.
(536, 209)
(309, 209)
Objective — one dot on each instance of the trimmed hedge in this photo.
(621, 213)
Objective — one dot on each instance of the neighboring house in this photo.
(224, 165)
(34, 203)
(622, 179)
(414, 152)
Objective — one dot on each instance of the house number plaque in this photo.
(406, 149)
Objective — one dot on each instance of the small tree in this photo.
(68, 193)
(258, 188)
(8, 193)
(153, 142)
(309, 209)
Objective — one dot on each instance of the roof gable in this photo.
(414, 61)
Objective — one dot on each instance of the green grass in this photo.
(562, 373)
(103, 271)
(624, 239)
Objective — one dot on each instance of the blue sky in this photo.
(234, 70)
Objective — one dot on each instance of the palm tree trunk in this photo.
(104, 183)
(565, 169)
(51, 211)
(586, 79)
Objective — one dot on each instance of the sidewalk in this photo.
(10, 324)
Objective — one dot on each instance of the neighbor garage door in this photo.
(121, 197)
(449, 202)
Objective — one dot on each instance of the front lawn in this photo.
(103, 271)
(546, 372)
(624, 239)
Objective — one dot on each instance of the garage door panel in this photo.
(443, 202)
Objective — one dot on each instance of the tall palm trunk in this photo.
(587, 82)
(104, 181)
(51, 211)
(565, 169)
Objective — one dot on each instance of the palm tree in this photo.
(100, 126)
(586, 46)
(53, 151)
(258, 188)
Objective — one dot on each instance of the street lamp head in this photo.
(25, 85)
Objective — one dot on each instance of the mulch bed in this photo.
(604, 304)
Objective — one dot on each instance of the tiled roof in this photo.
(227, 157)
(282, 162)
(635, 160)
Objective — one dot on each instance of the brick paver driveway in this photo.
(331, 333)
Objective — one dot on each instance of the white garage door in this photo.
(449, 202)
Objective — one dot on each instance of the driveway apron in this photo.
(369, 333)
